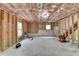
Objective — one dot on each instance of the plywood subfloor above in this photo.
(31, 11)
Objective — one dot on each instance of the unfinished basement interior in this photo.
(39, 29)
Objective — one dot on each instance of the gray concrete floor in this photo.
(42, 46)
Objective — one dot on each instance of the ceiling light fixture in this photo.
(43, 13)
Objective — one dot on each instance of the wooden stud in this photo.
(78, 29)
(73, 29)
(0, 30)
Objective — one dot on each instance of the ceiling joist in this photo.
(31, 11)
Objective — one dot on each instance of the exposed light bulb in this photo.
(44, 14)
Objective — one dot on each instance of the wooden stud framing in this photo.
(8, 32)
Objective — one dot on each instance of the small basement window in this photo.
(48, 27)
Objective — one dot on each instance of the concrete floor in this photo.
(42, 46)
